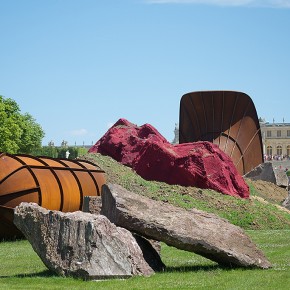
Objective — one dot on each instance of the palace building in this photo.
(275, 138)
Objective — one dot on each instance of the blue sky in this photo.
(77, 66)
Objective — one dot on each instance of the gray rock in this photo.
(282, 179)
(151, 252)
(80, 244)
(266, 172)
(286, 202)
(191, 230)
(92, 204)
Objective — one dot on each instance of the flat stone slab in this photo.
(192, 230)
(266, 172)
(93, 205)
(81, 245)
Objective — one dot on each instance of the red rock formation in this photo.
(200, 164)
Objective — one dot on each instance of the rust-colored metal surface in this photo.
(55, 184)
(226, 118)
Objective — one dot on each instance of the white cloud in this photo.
(252, 3)
(79, 132)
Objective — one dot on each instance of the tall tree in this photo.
(19, 133)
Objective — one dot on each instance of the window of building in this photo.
(268, 133)
(279, 133)
(288, 150)
(288, 133)
(279, 150)
(269, 150)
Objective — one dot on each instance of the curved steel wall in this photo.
(226, 118)
(55, 184)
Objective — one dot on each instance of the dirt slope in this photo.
(268, 190)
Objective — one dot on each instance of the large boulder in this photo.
(266, 172)
(191, 230)
(83, 245)
(286, 202)
(93, 205)
(200, 164)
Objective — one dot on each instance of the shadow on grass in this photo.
(180, 269)
(205, 268)
(43, 274)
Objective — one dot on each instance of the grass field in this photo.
(21, 268)
(267, 224)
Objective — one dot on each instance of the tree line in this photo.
(21, 134)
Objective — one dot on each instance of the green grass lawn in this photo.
(21, 268)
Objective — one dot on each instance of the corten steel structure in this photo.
(226, 118)
(55, 184)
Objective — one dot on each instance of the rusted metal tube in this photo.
(226, 118)
(55, 184)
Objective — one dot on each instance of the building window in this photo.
(288, 133)
(288, 150)
(279, 150)
(268, 133)
(269, 150)
(279, 133)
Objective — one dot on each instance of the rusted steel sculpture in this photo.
(226, 118)
(56, 184)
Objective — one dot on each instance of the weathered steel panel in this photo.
(226, 118)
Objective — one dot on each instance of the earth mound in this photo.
(145, 150)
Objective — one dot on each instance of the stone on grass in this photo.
(266, 172)
(80, 244)
(93, 205)
(191, 230)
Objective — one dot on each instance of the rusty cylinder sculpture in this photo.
(55, 184)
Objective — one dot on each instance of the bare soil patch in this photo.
(269, 191)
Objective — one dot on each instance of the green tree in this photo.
(19, 133)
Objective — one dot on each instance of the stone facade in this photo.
(276, 138)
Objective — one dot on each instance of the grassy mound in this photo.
(261, 211)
